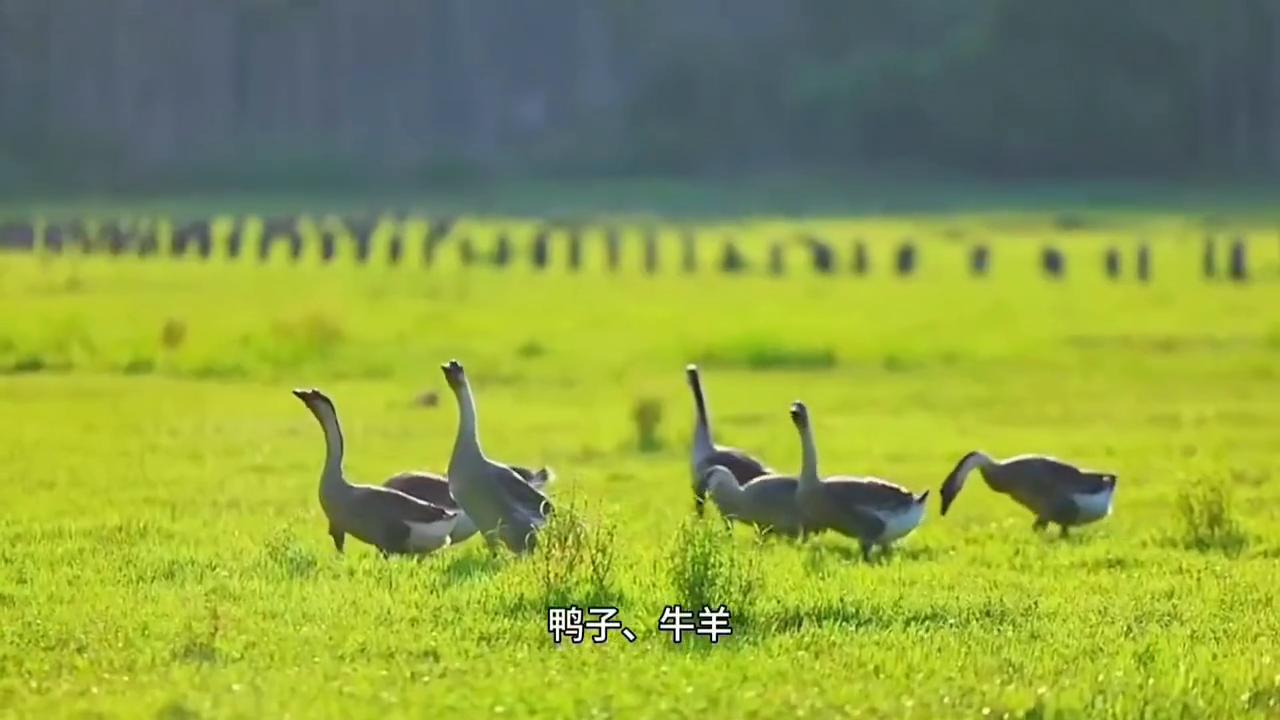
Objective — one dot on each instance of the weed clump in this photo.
(575, 559)
(173, 334)
(706, 570)
(647, 416)
(1207, 522)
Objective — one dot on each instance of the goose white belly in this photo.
(425, 537)
(898, 524)
(1092, 506)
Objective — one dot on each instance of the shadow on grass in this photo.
(466, 567)
(818, 552)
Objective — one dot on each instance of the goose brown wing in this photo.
(774, 490)
(518, 493)
(424, 486)
(870, 493)
(1060, 476)
(743, 466)
(392, 505)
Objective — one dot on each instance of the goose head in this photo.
(799, 415)
(454, 374)
(719, 479)
(316, 401)
(691, 374)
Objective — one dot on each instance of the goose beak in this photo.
(453, 372)
(799, 414)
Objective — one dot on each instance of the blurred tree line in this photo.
(136, 93)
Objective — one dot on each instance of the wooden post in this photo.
(1209, 259)
(575, 248)
(235, 242)
(731, 261)
(540, 249)
(1238, 266)
(362, 230)
(1053, 263)
(502, 250)
(395, 249)
(906, 258)
(823, 258)
(980, 260)
(466, 253)
(437, 230)
(777, 260)
(1144, 263)
(650, 251)
(1111, 263)
(860, 263)
(689, 250)
(613, 248)
(53, 238)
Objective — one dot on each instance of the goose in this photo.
(384, 517)
(706, 453)
(767, 503)
(870, 510)
(503, 506)
(434, 489)
(1055, 491)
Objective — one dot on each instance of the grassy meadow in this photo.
(163, 554)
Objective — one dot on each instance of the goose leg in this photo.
(866, 552)
(1039, 525)
(338, 536)
(1064, 533)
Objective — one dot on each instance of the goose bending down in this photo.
(706, 453)
(1053, 490)
(767, 503)
(501, 504)
(434, 489)
(870, 510)
(384, 517)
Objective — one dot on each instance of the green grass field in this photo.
(162, 552)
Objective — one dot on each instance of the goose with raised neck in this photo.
(1053, 490)
(504, 508)
(388, 519)
(705, 453)
(872, 511)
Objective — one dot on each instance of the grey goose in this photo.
(384, 517)
(502, 505)
(872, 511)
(1053, 490)
(706, 453)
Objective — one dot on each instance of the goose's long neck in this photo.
(467, 443)
(976, 460)
(702, 424)
(331, 474)
(808, 457)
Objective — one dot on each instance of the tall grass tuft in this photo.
(705, 569)
(575, 559)
(1207, 522)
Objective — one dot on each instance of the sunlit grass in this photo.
(162, 552)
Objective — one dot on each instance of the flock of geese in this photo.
(421, 512)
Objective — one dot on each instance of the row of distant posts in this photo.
(195, 238)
